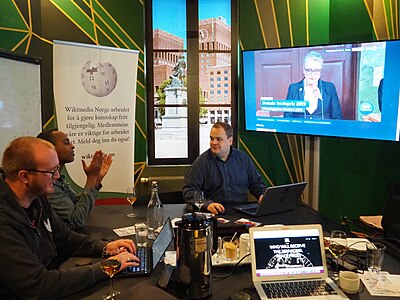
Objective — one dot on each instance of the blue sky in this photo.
(166, 14)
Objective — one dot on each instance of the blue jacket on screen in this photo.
(328, 107)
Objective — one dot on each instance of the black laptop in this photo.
(275, 199)
(149, 257)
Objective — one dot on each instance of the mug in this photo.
(349, 282)
(244, 245)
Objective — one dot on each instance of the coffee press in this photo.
(193, 255)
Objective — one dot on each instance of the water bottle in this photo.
(155, 212)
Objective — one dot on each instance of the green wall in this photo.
(354, 174)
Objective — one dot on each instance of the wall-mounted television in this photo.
(346, 90)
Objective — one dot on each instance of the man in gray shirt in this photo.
(74, 208)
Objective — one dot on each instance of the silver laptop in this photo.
(275, 199)
(288, 256)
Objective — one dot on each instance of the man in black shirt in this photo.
(32, 236)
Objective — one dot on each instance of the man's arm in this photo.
(256, 185)
(73, 209)
(195, 180)
(30, 279)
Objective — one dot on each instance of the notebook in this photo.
(275, 199)
(149, 257)
(286, 256)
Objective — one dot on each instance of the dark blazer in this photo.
(328, 107)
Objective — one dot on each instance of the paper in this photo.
(174, 220)
(170, 258)
(381, 284)
(222, 220)
(358, 244)
(247, 222)
(124, 231)
(374, 221)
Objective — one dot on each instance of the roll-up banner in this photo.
(95, 96)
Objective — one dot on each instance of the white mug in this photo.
(349, 282)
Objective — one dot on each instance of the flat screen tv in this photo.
(346, 90)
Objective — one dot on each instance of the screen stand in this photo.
(311, 171)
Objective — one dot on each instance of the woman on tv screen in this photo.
(322, 98)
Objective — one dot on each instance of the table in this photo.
(105, 218)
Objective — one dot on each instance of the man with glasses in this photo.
(74, 208)
(224, 174)
(33, 238)
(321, 96)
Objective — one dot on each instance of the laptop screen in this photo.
(292, 252)
(162, 242)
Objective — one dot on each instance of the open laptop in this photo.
(149, 257)
(289, 256)
(275, 199)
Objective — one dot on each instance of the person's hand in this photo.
(127, 259)
(92, 171)
(127, 244)
(216, 208)
(373, 117)
(260, 198)
(105, 166)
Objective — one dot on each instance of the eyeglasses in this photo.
(313, 71)
(55, 171)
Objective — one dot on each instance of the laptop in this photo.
(275, 199)
(288, 256)
(150, 257)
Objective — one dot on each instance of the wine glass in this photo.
(131, 197)
(338, 247)
(110, 265)
(198, 199)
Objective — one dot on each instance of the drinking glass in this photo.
(141, 234)
(131, 197)
(110, 265)
(338, 247)
(199, 199)
(375, 255)
(230, 244)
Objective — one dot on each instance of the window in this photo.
(180, 110)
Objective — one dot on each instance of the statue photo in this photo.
(178, 72)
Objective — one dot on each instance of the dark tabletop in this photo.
(105, 218)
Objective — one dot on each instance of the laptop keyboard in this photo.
(142, 253)
(297, 289)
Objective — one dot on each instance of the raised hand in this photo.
(92, 171)
(105, 166)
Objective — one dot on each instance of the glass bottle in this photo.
(155, 212)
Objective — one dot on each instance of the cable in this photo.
(233, 270)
